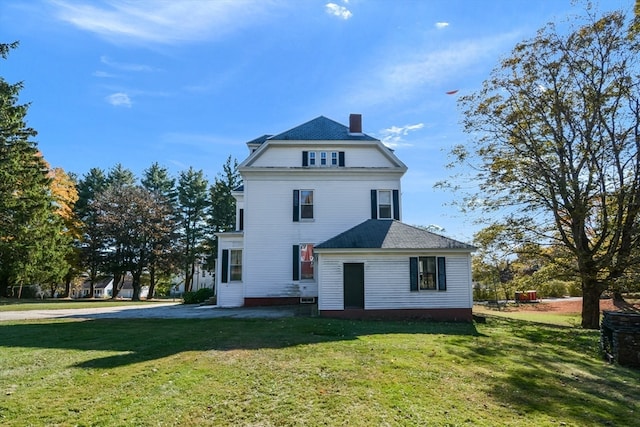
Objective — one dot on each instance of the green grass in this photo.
(308, 372)
(11, 304)
(548, 318)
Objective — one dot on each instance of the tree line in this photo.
(56, 227)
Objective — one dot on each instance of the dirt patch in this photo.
(572, 305)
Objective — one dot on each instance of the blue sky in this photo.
(188, 83)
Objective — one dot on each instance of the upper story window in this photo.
(385, 204)
(302, 205)
(306, 204)
(323, 158)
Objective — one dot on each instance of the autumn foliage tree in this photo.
(556, 132)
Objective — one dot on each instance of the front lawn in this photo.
(13, 304)
(308, 372)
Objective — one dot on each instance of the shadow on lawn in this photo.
(562, 376)
(140, 340)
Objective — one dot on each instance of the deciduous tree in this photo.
(557, 138)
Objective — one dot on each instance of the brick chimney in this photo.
(355, 123)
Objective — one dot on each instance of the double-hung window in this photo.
(428, 273)
(302, 205)
(312, 158)
(303, 262)
(385, 204)
(323, 158)
(231, 268)
(235, 265)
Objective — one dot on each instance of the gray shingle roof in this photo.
(259, 140)
(390, 234)
(321, 129)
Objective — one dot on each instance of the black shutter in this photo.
(442, 274)
(296, 205)
(241, 221)
(374, 204)
(413, 273)
(296, 262)
(224, 268)
(341, 158)
(396, 205)
(305, 158)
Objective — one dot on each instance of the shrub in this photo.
(197, 297)
(552, 289)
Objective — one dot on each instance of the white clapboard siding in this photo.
(230, 294)
(357, 155)
(270, 231)
(387, 282)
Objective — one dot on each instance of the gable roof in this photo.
(321, 129)
(98, 284)
(259, 140)
(390, 234)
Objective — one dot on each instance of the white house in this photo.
(102, 288)
(318, 219)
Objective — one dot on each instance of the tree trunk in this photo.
(67, 287)
(591, 292)
(136, 292)
(617, 297)
(4, 286)
(152, 282)
(116, 285)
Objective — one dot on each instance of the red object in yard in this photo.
(532, 296)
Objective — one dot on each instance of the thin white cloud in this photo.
(160, 21)
(337, 10)
(103, 74)
(119, 99)
(125, 66)
(393, 136)
(441, 25)
(403, 75)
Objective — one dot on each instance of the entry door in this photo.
(353, 285)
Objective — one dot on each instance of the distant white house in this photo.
(202, 278)
(103, 288)
(318, 220)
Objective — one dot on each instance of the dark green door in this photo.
(354, 285)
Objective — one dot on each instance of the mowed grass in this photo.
(308, 372)
(546, 317)
(11, 304)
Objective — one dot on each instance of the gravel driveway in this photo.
(171, 310)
